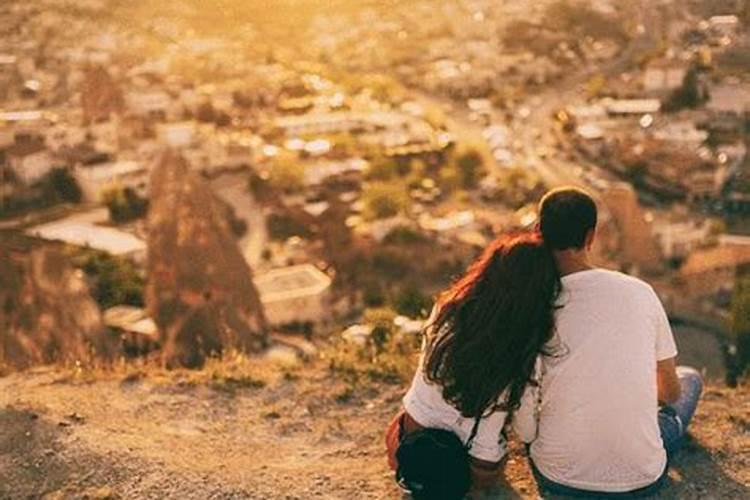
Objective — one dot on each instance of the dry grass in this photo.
(229, 373)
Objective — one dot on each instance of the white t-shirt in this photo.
(598, 427)
(425, 403)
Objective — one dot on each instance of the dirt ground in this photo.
(302, 434)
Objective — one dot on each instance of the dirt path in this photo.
(304, 435)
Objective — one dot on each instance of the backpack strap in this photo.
(473, 433)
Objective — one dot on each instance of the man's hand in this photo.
(667, 383)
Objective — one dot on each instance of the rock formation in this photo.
(46, 311)
(100, 96)
(199, 292)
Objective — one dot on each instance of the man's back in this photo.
(598, 425)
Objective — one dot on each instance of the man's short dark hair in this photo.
(566, 215)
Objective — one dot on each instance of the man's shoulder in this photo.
(625, 281)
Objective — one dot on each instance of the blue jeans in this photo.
(673, 423)
(675, 418)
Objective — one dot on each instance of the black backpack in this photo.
(434, 464)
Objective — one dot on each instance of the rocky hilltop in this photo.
(200, 291)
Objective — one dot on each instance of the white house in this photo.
(145, 103)
(679, 239)
(86, 234)
(294, 294)
(663, 78)
(95, 179)
(177, 134)
(729, 98)
(631, 106)
(30, 165)
(316, 173)
(683, 133)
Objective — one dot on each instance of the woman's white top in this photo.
(425, 403)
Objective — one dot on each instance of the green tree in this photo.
(382, 169)
(124, 204)
(383, 329)
(689, 95)
(740, 317)
(384, 200)
(283, 226)
(114, 280)
(412, 302)
(470, 164)
(287, 174)
(64, 185)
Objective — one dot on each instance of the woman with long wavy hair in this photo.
(480, 349)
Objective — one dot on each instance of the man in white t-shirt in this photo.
(595, 425)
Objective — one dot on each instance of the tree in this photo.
(115, 280)
(62, 186)
(124, 204)
(470, 164)
(384, 200)
(412, 302)
(383, 330)
(382, 169)
(740, 317)
(287, 174)
(690, 94)
(283, 226)
(449, 179)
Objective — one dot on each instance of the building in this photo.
(86, 234)
(678, 239)
(683, 133)
(148, 103)
(95, 179)
(317, 173)
(663, 78)
(726, 25)
(137, 330)
(30, 161)
(179, 134)
(729, 98)
(624, 107)
(295, 294)
(321, 123)
(338, 122)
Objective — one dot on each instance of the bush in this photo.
(115, 280)
(124, 204)
(403, 235)
(469, 164)
(386, 357)
(413, 303)
(383, 169)
(287, 174)
(373, 295)
(390, 264)
(63, 186)
(580, 20)
(384, 200)
(740, 317)
(282, 227)
(689, 95)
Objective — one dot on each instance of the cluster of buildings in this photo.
(80, 102)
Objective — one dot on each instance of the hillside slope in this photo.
(289, 434)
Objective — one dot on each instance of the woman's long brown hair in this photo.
(492, 324)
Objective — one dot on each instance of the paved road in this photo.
(232, 188)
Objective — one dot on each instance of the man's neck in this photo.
(572, 261)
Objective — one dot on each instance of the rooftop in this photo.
(291, 282)
(84, 234)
